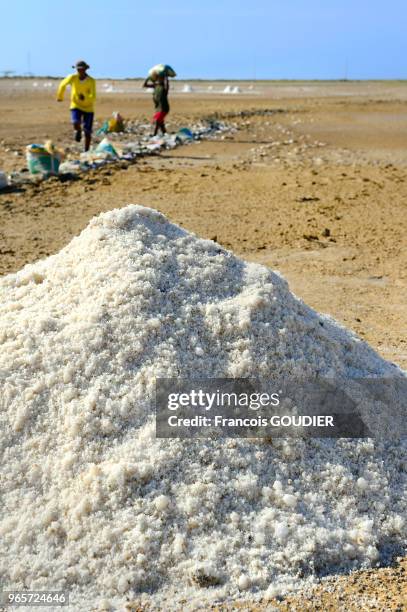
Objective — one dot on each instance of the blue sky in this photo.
(267, 39)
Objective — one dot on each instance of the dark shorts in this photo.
(79, 116)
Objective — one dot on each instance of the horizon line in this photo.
(220, 79)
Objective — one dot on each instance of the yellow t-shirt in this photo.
(83, 93)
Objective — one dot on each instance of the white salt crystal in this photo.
(179, 544)
(281, 531)
(243, 582)
(161, 502)
(362, 484)
(289, 500)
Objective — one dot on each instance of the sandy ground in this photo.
(313, 183)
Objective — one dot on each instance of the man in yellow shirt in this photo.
(83, 95)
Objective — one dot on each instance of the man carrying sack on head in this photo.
(83, 95)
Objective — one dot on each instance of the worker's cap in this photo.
(81, 64)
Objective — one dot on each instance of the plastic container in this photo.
(184, 134)
(116, 123)
(105, 146)
(41, 161)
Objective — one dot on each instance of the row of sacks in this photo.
(47, 160)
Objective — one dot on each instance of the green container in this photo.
(40, 161)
